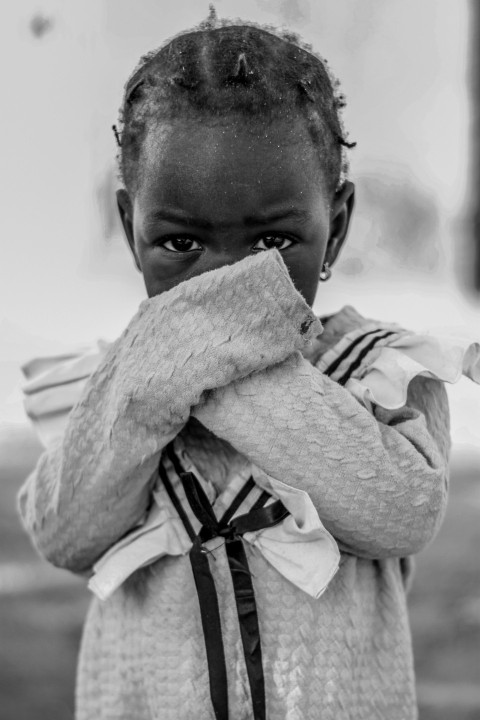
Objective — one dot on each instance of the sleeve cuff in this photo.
(255, 294)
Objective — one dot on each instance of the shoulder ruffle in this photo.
(54, 385)
(376, 361)
(385, 381)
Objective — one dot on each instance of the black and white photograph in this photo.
(240, 360)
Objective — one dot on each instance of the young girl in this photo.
(243, 482)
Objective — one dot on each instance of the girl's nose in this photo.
(226, 255)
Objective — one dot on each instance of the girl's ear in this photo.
(341, 214)
(126, 215)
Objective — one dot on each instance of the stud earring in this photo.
(326, 273)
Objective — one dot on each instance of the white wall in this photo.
(403, 67)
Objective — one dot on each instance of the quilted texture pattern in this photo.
(387, 496)
(219, 359)
(95, 484)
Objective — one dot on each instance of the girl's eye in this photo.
(267, 242)
(181, 244)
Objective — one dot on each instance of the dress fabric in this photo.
(236, 365)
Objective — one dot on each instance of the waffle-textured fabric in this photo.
(230, 361)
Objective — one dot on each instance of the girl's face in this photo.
(209, 196)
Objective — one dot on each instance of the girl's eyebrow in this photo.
(262, 219)
(287, 214)
(176, 217)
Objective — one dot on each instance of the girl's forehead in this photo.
(224, 174)
(236, 152)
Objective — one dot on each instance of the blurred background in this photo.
(409, 70)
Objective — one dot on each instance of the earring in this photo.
(326, 273)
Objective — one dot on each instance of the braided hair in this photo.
(222, 71)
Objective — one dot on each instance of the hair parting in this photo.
(242, 73)
(230, 70)
(304, 86)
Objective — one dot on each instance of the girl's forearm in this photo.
(94, 485)
(379, 486)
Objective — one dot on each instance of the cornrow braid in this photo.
(224, 70)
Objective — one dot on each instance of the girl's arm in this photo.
(379, 482)
(94, 484)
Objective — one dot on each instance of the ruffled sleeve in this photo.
(54, 385)
(384, 378)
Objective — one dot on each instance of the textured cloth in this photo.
(219, 360)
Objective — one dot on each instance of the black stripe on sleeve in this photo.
(346, 375)
(336, 363)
